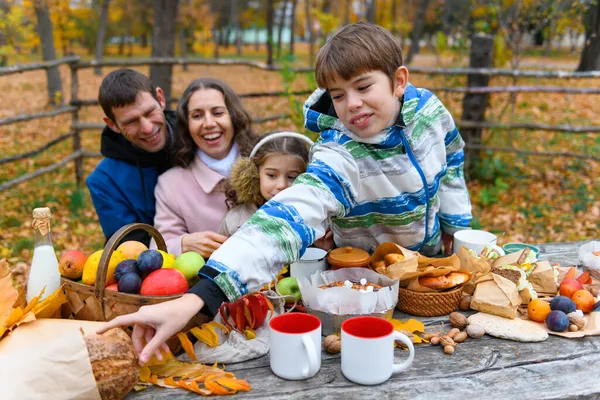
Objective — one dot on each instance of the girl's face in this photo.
(278, 172)
(209, 123)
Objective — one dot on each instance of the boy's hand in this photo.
(448, 241)
(155, 324)
(326, 242)
(203, 243)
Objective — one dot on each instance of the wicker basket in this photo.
(429, 304)
(94, 303)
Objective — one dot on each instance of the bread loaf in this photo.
(445, 281)
(114, 363)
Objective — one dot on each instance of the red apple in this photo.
(71, 264)
(569, 286)
(164, 282)
(114, 287)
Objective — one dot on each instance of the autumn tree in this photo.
(45, 32)
(163, 42)
(590, 56)
(101, 34)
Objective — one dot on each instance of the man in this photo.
(134, 143)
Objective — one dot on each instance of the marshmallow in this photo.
(347, 284)
(369, 289)
(363, 281)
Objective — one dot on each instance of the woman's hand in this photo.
(326, 242)
(155, 324)
(203, 243)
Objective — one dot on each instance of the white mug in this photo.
(476, 240)
(368, 350)
(313, 260)
(295, 345)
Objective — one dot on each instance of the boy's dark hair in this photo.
(355, 49)
(121, 87)
(184, 148)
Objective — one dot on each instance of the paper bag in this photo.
(542, 278)
(509, 259)
(410, 261)
(496, 295)
(47, 359)
(477, 267)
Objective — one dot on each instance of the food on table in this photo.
(189, 263)
(114, 363)
(332, 344)
(393, 258)
(577, 320)
(538, 310)
(164, 282)
(125, 267)
(132, 249)
(569, 286)
(557, 321)
(583, 300)
(465, 303)
(71, 264)
(289, 287)
(512, 275)
(130, 283)
(363, 285)
(379, 264)
(445, 281)
(458, 320)
(168, 259)
(113, 287)
(562, 303)
(149, 261)
(475, 331)
(91, 267)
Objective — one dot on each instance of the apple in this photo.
(71, 264)
(189, 263)
(289, 287)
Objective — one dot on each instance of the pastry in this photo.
(393, 258)
(445, 281)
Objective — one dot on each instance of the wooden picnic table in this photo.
(557, 368)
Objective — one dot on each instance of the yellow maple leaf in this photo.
(412, 325)
(51, 304)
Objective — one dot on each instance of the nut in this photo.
(452, 332)
(465, 303)
(430, 335)
(435, 340)
(594, 291)
(447, 341)
(460, 337)
(573, 328)
(577, 321)
(449, 350)
(458, 320)
(332, 344)
(475, 331)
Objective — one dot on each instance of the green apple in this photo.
(189, 263)
(289, 287)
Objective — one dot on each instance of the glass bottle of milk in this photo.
(44, 266)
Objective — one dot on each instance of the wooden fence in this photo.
(75, 64)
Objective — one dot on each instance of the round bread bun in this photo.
(393, 258)
(444, 281)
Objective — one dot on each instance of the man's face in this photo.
(142, 122)
(367, 104)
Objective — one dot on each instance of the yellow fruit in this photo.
(132, 249)
(91, 267)
(538, 310)
(168, 259)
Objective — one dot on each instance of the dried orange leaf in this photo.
(51, 304)
(145, 374)
(187, 345)
(218, 325)
(215, 388)
(250, 334)
(412, 325)
(234, 384)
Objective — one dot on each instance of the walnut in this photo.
(458, 320)
(447, 341)
(332, 344)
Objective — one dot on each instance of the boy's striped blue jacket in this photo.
(404, 185)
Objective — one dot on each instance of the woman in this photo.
(212, 130)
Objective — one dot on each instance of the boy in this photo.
(387, 167)
(134, 144)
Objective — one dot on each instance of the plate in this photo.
(514, 247)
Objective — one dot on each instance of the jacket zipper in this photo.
(413, 159)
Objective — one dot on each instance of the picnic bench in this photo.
(484, 368)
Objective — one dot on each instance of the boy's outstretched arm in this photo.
(455, 204)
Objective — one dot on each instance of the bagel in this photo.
(393, 258)
(445, 281)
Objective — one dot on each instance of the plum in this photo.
(130, 283)
(563, 304)
(149, 260)
(557, 321)
(125, 267)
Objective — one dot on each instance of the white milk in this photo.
(44, 272)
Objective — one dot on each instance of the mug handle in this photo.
(313, 366)
(401, 367)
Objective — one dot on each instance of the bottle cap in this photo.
(41, 212)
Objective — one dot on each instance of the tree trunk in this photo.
(44, 28)
(293, 26)
(163, 42)
(417, 31)
(311, 44)
(101, 35)
(269, 32)
(234, 21)
(347, 4)
(474, 104)
(217, 38)
(590, 55)
(281, 26)
(371, 11)
(183, 43)
(4, 10)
